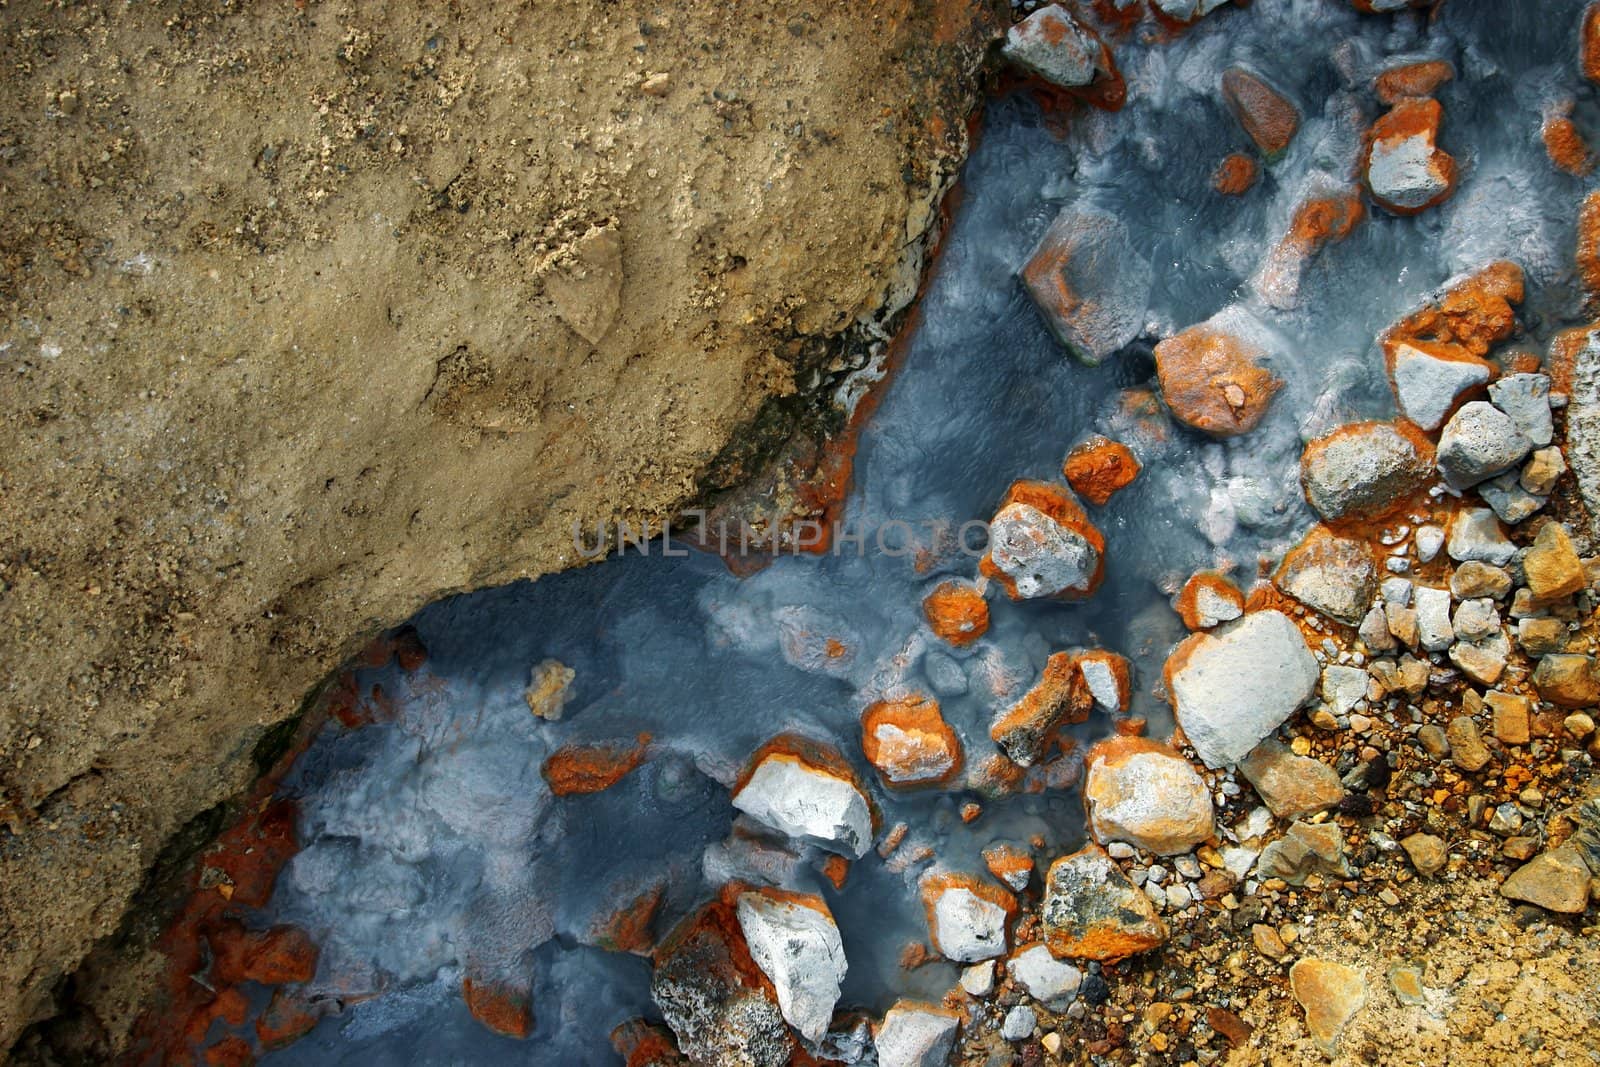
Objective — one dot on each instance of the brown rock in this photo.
(1589, 43)
(1291, 785)
(1556, 880)
(1542, 636)
(1588, 259)
(1099, 467)
(1266, 115)
(580, 769)
(1510, 716)
(1427, 852)
(1552, 566)
(909, 742)
(1336, 576)
(1331, 994)
(1412, 79)
(1267, 941)
(1212, 377)
(1466, 746)
(1565, 145)
(956, 612)
(1475, 578)
(1235, 175)
(1059, 698)
(1567, 680)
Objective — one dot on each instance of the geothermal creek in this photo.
(500, 831)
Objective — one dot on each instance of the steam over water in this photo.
(432, 845)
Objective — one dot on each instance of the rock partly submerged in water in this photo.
(1042, 544)
(1143, 792)
(1365, 470)
(1089, 282)
(1215, 375)
(1092, 911)
(1335, 576)
(806, 790)
(793, 939)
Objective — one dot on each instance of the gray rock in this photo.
(1307, 849)
(1427, 386)
(1476, 619)
(914, 1034)
(1583, 428)
(794, 941)
(1054, 45)
(1557, 880)
(1479, 442)
(1090, 910)
(1475, 534)
(1050, 981)
(1477, 579)
(1019, 1023)
(1336, 576)
(1042, 557)
(1526, 399)
(1396, 591)
(1374, 631)
(807, 802)
(1505, 494)
(1428, 539)
(1344, 687)
(1187, 10)
(1364, 469)
(1235, 685)
(1090, 283)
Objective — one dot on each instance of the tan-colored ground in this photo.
(312, 314)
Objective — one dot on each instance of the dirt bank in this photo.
(313, 313)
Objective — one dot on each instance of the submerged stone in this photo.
(1207, 600)
(1099, 467)
(1052, 44)
(1214, 375)
(956, 612)
(1090, 283)
(909, 742)
(1264, 112)
(1109, 678)
(806, 790)
(1059, 698)
(1042, 544)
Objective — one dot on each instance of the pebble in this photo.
(1291, 785)
(1428, 541)
(1330, 994)
(1475, 534)
(915, 1034)
(1019, 1023)
(978, 980)
(1427, 852)
(1466, 746)
(1048, 980)
(1475, 579)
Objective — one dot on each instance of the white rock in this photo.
(978, 980)
(1146, 794)
(1427, 387)
(1433, 618)
(1428, 541)
(1050, 981)
(1344, 687)
(1104, 686)
(1239, 682)
(796, 944)
(1475, 534)
(1403, 173)
(805, 802)
(1042, 557)
(1238, 860)
(1476, 620)
(1477, 443)
(1053, 45)
(1396, 591)
(968, 928)
(916, 1035)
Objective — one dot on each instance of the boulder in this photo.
(1232, 687)
(1330, 994)
(1291, 785)
(722, 1008)
(1265, 113)
(1477, 443)
(1365, 470)
(1091, 910)
(1089, 282)
(1209, 599)
(1097, 468)
(966, 917)
(1143, 792)
(793, 939)
(956, 612)
(1406, 170)
(909, 742)
(1059, 698)
(1333, 575)
(807, 791)
(1214, 376)
(914, 1034)
(1041, 544)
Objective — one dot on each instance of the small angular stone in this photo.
(1331, 994)
(1307, 849)
(1552, 566)
(1466, 746)
(1048, 980)
(1475, 534)
(1525, 398)
(1291, 785)
(967, 918)
(1427, 852)
(915, 1034)
(1542, 636)
(1433, 618)
(1091, 910)
(1556, 880)
(1475, 579)
(1511, 715)
(1477, 443)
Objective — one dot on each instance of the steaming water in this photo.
(432, 843)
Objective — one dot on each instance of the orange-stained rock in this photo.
(909, 742)
(230, 1052)
(1406, 170)
(580, 769)
(967, 917)
(1143, 792)
(956, 612)
(289, 1016)
(1091, 910)
(409, 652)
(1473, 313)
(836, 869)
(806, 789)
(1365, 470)
(1412, 79)
(505, 1010)
(1326, 217)
(1109, 678)
(644, 1044)
(1589, 244)
(995, 776)
(1212, 378)
(1563, 358)
(1589, 43)
(1209, 599)
(1564, 143)
(1099, 467)
(628, 928)
(1010, 864)
(1266, 114)
(1042, 544)
(273, 956)
(1060, 698)
(1235, 175)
